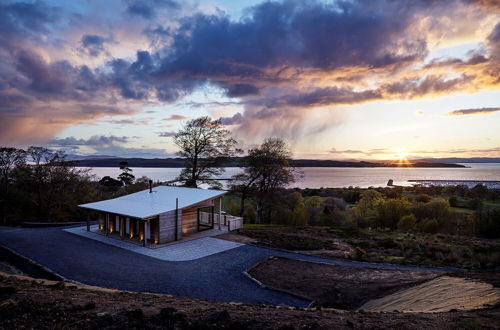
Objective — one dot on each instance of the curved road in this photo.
(218, 277)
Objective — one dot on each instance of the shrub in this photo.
(428, 226)
(475, 203)
(488, 223)
(453, 200)
(390, 211)
(422, 198)
(407, 222)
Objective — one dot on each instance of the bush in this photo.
(390, 211)
(453, 200)
(488, 223)
(475, 203)
(407, 222)
(422, 198)
(428, 226)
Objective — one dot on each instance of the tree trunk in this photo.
(242, 203)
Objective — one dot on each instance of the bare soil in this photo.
(331, 285)
(37, 304)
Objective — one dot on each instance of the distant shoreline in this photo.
(236, 162)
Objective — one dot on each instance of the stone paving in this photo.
(181, 251)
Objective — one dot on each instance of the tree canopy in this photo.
(206, 145)
(266, 168)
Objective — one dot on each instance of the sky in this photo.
(346, 79)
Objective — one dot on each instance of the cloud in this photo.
(280, 62)
(104, 145)
(177, 117)
(474, 111)
(93, 44)
(94, 141)
(236, 119)
(148, 9)
(167, 134)
(370, 152)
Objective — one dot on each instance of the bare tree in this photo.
(206, 145)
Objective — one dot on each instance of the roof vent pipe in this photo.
(150, 186)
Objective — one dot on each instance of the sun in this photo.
(402, 158)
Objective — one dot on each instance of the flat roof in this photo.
(144, 204)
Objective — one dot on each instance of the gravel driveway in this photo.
(218, 277)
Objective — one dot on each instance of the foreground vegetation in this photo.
(451, 210)
(373, 245)
(452, 226)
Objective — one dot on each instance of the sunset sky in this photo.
(336, 79)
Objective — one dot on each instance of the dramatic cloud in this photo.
(478, 111)
(279, 63)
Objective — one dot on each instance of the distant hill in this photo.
(461, 160)
(236, 162)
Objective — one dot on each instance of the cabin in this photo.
(163, 214)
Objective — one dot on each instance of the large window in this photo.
(205, 218)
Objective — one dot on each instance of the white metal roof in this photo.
(144, 204)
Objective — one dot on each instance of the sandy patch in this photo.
(438, 295)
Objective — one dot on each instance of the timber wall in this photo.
(167, 227)
(190, 217)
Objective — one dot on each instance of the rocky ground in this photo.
(37, 304)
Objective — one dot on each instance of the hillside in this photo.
(236, 162)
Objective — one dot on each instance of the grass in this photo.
(385, 246)
(462, 210)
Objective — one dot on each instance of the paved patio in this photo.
(195, 247)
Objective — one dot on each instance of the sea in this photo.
(337, 177)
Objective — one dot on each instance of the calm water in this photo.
(317, 177)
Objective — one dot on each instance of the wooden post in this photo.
(213, 215)
(88, 223)
(122, 227)
(144, 233)
(107, 224)
(220, 211)
(177, 219)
